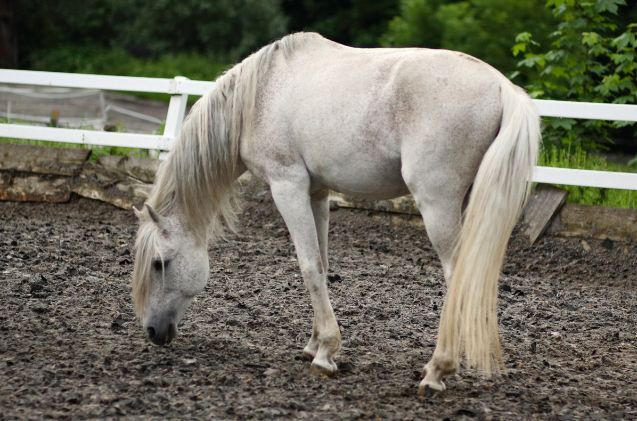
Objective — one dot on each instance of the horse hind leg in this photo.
(442, 220)
(296, 206)
(321, 212)
(440, 204)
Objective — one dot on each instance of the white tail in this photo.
(469, 324)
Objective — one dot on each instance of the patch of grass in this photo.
(96, 151)
(580, 159)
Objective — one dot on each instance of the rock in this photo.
(42, 159)
(143, 169)
(586, 246)
(110, 186)
(271, 372)
(34, 188)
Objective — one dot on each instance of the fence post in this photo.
(175, 116)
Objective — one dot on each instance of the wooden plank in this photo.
(41, 159)
(596, 222)
(541, 208)
(403, 204)
(34, 188)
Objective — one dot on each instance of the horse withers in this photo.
(308, 115)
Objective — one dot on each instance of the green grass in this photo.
(96, 151)
(580, 159)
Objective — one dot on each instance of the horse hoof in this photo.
(429, 389)
(323, 369)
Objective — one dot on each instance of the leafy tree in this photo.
(230, 29)
(482, 28)
(227, 29)
(591, 57)
(44, 26)
(416, 26)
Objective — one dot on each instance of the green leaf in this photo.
(624, 40)
(518, 48)
(611, 6)
(590, 38)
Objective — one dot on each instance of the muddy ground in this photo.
(71, 348)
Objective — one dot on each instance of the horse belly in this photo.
(359, 175)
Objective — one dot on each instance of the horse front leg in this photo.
(306, 219)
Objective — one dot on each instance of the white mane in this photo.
(196, 181)
(197, 178)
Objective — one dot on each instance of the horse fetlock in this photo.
(443, 363)
(311, 348)
(331, 343)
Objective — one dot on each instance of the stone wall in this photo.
(46, 174)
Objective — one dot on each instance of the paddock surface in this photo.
(71, 348)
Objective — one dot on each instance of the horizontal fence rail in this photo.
(586, 110)
(87, 137)
(179, 88)
(588, 178)
(175, 86)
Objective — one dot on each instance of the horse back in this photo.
(347, 114)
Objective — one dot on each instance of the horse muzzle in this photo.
(161, 333)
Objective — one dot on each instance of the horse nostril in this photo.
(151, 332)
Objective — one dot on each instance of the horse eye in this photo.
(158, 266)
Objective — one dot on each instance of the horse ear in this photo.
(154, 216)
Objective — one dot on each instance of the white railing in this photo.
(179, 88)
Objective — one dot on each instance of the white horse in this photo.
(308, 115)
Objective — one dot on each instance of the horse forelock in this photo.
(146, 246)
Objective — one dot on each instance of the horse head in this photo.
(171, 267)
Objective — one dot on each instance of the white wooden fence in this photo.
(179, 88)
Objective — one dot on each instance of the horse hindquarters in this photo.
(468, 322)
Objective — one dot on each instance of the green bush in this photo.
(227, 29)
(482, 28)
(591, 57)
(353, 22)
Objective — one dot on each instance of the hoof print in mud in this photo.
(427, 392)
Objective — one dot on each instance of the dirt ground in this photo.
(71, 348)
